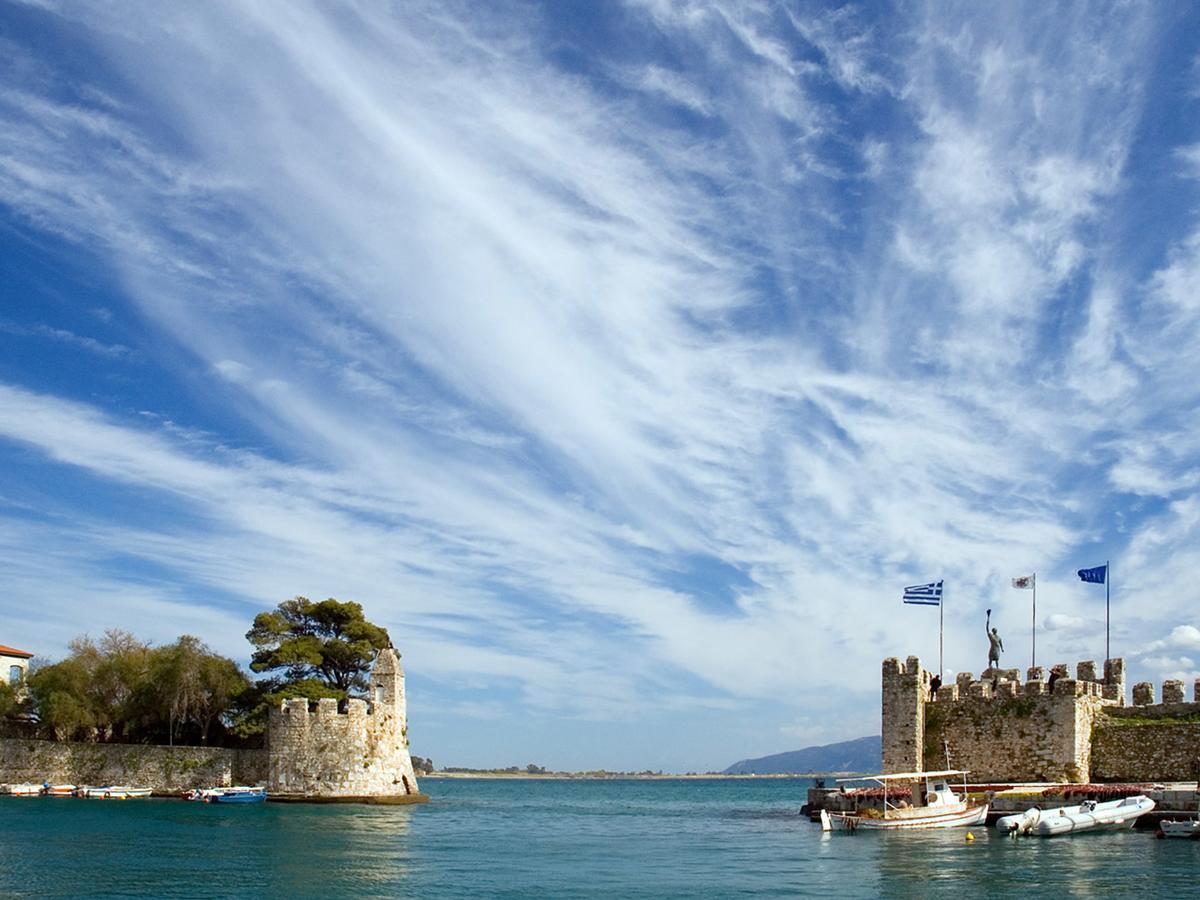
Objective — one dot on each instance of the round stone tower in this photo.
(360, 755)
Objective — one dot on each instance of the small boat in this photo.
(116, 792)
(58, 790)
(1178, 828)
(940, 807)
(1089, 815)
(237, 795)
(22, 790)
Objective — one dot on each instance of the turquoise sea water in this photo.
(499, 838)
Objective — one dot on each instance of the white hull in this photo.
(974, 815)
(23, 790)
(1088, 816)
(116, 793)
(206, 794)
(1179, 828)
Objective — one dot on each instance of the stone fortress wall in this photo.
(357, 755)
(1150, 741)
(1001, 729)
(167, 770)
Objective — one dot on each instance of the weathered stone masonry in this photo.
(997, 727)
(1149, 742)
(361, 754)
(1003, 730)
(164, 769)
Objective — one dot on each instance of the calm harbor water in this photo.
(500, 838)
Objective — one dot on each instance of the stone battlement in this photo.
(296, 712)
(1172, 693)
(997, 726)
(1006, 683)
(359, 754)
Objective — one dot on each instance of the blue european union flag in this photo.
(1096, 575)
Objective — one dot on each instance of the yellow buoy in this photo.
(970, 837)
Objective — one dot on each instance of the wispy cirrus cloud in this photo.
(63, 335)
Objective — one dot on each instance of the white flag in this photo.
(1025, 582)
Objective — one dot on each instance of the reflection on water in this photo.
(552, 839)
(363, 849)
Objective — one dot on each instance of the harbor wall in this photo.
(166, 770)
(1014, 737)
(1151, 742)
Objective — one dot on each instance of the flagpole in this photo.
(1107, 587)
(1033, 658)
(941, 631)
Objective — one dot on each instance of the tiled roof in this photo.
(13, 651)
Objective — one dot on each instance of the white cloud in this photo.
(674, 87)
(1190, 157)
(1182, 637)
(232, 370)
(66, 336)
(1061, 622)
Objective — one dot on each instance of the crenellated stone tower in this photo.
(360, 755)
(997, 727)
(905, 688)
(387, 687)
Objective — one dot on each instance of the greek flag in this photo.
(1095, 575)
(924, 594)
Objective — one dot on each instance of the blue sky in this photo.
(625, 360)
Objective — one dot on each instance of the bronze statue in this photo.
(996, 645)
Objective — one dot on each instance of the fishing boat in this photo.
(235, 794)
(1089, 815)
(116, 792)
(939, 806)
(58, 790)
(22, 790)
(238, 795)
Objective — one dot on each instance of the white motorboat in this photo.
(22, 790)
(1089, 815)
(939, 806)
(1178, 828)
(116, 792)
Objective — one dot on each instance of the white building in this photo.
(14, 664)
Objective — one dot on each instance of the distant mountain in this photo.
(860, 755)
